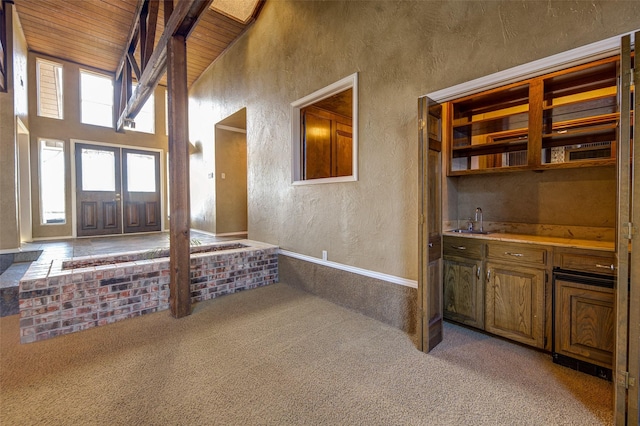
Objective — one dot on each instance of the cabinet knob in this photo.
(460, 247)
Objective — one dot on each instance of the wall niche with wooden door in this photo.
(327, 142)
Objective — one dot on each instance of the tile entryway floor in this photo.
(76, 247)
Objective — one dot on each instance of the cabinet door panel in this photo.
(585, 322)
(463, 293)
(515, 303)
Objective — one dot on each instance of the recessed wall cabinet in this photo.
(328, 149)
(463, 283)
(584, 303)
(563, 119)
(515, 292)
(497, 287)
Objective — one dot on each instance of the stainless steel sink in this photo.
(466, 231)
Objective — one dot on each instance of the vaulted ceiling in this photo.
(95, 33)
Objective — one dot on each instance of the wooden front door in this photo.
(117, 190)
(98, 189)
(430, 291)
(141, 190)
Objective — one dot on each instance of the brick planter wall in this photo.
(56, 301)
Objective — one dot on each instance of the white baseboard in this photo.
(360, 271)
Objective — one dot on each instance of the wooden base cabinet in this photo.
(514, 303)
(585, 322)
(463, 286)
(464, 291)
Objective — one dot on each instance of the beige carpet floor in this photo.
(279, 356)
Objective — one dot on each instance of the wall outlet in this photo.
(223, 175)
(324, 255)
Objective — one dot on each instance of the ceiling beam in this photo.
(183, 19)
(132, 40)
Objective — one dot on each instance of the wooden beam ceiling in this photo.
(182, 19)
(94, 33)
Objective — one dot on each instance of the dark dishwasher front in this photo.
(583, 322)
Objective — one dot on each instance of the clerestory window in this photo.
(49, 87)
(96, 95)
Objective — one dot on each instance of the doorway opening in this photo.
(117, 190)
(231, 175)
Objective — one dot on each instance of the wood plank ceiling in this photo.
(94, 32)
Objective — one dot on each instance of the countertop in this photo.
(539, 239)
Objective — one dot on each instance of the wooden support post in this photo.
(179, 236)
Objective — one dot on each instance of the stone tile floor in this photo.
(112, 244)
(75, 247)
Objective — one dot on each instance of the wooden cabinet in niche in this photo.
(584, 305)
(463, 291)
(514, 303)
(585, 322)
(580, 115)
(515, 292)
(462, 281)
(489, 130)
(328, 143)
(563, 119)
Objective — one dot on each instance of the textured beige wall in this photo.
(231, 192)
(401, 50)
(71, 128)
(13, 104)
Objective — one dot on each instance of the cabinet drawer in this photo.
(463, 247)
(517, 252)
(597, 262)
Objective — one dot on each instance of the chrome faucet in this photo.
(479, 218)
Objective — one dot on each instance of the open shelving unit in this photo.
(568, 118)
